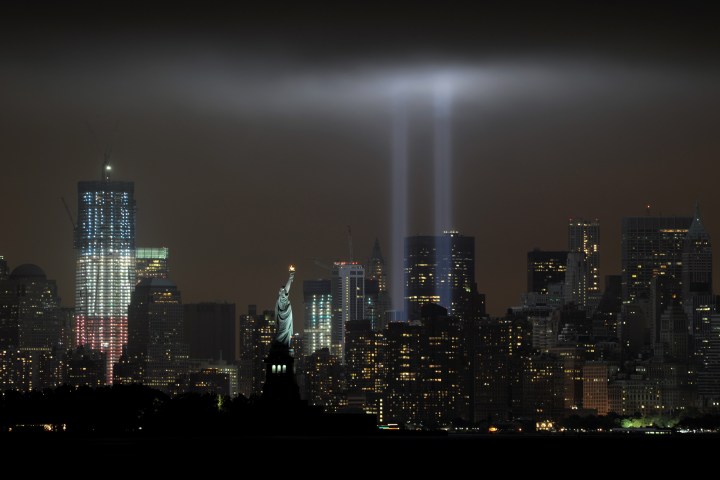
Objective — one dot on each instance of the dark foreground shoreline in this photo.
(380, 456)
(150, 445)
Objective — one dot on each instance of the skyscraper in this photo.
(375, 269)
(402, 398)
(697, 294)
(155, 332)
(151, 263)
(29, 327)
(29, 310)
(376, 291)
(575, 290)
(651, 246)
(442, 368)
(544, 269)
(105, 264)
(584, 238)
(257, 332)
(439, 269)
(318, 315)
(709, 376)
(490, 342)
(348, 302)
(365, 366)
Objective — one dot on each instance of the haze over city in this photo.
(254, 140)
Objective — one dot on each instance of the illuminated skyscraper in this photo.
(584, 238)
(155, 333)
(442, 372)
(403, 396)
(651, 246)
(318, 315)
(151, 263)
(257, 332)
(365, 365)
(348, 302)
(439, 269)
(105, 264)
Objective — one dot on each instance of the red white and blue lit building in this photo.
(105, 264)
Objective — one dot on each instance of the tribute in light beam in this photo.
(443, 189)
(399, 200)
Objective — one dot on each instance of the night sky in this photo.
(254, 137)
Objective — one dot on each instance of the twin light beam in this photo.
(442, 160)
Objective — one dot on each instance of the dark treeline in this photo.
(140, 410)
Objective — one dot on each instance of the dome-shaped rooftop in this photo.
(28, 270)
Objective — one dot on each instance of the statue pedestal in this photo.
(280, 384)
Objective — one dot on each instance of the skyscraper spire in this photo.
(106, 169)
(697, 229)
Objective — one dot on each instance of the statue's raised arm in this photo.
(290, 279)
(283, 312)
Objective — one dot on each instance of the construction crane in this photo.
(350, 246)
(69, 214)
(321, 265)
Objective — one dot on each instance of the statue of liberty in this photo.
(283, 313)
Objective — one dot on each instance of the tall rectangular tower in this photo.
(651, 246)
(439, 269)
(105, 264)
(348, 301)
(318, 315)
(584, 238)
(698, 299)
(155, 330)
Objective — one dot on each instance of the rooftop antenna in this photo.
(106, 168)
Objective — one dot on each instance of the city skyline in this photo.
(501, 222)
(204, 140)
